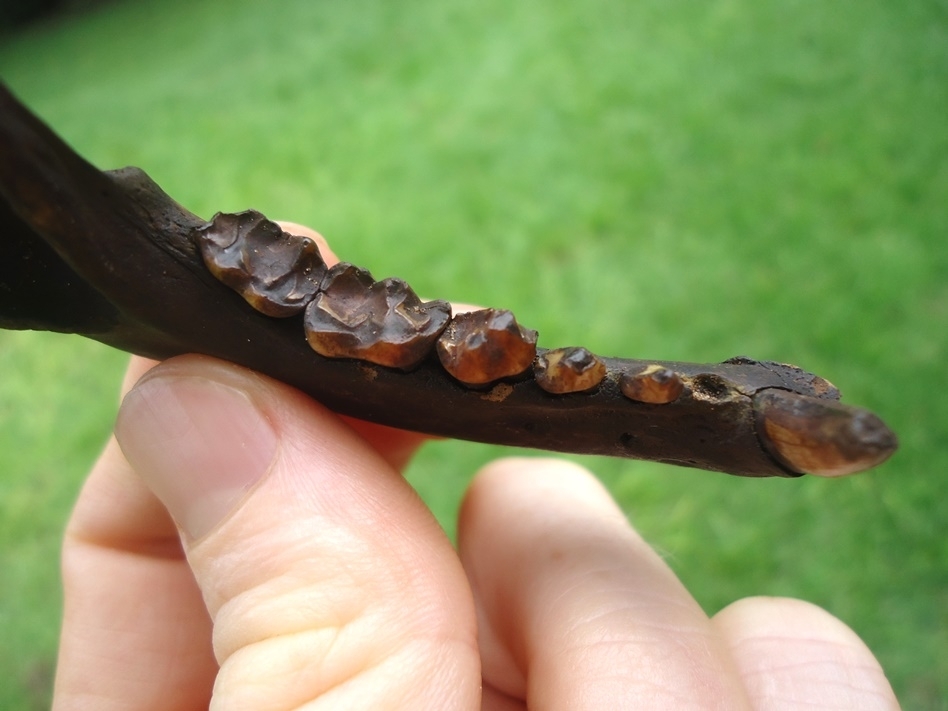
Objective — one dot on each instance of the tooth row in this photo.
(348, 314)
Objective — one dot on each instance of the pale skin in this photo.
(238, 546)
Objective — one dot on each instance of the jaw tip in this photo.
(821, 437)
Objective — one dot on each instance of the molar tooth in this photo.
(277, 273)
(654, 384)
(568, 370)
(382, 322)
(480, 347)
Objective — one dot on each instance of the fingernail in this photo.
(200, 446)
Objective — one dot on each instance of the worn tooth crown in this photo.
(568, 370)
(480, 347)
(277, 273)
(654, 384)
(382, 322)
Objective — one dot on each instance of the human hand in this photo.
(246, 548)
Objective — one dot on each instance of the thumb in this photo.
(325, 576)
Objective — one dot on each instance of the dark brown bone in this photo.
(383, 322)
(568, 370)
(278, 274)
(110, 256)
(480, 347)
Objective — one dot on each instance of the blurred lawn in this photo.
(670, 179)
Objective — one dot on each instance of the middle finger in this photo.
(575, 609)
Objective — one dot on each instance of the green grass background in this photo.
(660, 179)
